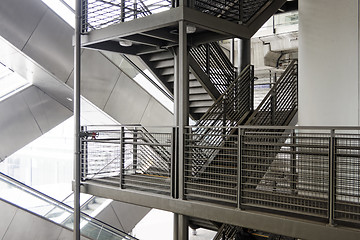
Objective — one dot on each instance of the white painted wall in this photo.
(329, 62)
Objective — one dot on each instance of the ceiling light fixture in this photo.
(125, 43)
(190, 29)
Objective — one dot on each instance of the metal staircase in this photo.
(210, 74)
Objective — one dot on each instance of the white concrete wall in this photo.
(329, 62)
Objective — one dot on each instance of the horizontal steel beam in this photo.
(152, 22)
(259, 19)
(276, 224)
(215, 24)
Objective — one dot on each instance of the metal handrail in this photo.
(281, 97)
(62, 205)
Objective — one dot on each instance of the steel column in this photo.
(77, 157)
(182, 118)
(244, 54)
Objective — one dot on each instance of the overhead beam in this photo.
(112, 46)
(258, 20)
(144, 24)
(206, 37)
(161, 34)
(277, 224)
(145, 40)
(215, 24)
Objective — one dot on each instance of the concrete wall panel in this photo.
(328, 62)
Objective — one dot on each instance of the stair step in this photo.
(164, 63)
(194, 83)
(197, 90)
(199, 97)
(167, 71)
(201, 104)
(165, 55)
(169, 78)
(200, 110)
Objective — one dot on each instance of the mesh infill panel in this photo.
(347, 174)
(216, 181)
(99, 14)
(285, 171)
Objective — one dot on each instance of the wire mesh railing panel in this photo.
(97, 14)
(347, 178)
(129, 157)
(101, 154)
(285, 171)
(240, 11)
(218, 181)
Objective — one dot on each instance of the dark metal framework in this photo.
(99, 14)
(310, 173)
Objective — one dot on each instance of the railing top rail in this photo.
(278, 82)
(348, 128)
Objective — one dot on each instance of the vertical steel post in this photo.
(252, 88)
(122, 154)
(293, 160)
(122, 10)
(239, 175)
(332, 159)
(173, 172)
(84, 154)
(77, 74)
(207, 49)
(182, 117)
(135, 150)
(244, 54)
(232, 51)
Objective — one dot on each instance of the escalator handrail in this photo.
(51, 200)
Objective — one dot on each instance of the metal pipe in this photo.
(77, 159)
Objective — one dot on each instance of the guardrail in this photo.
(130, 157)
(309, 172)
(97, 14)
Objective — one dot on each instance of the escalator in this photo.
(42, 206)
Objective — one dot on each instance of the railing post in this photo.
(84, 16)
(122, 11)
(273, 106)
(83, 155)
(239, 167)
(332, 157)
(135, 9)
(135, 150)
(293, 160)
(122, 154)
(174, 168)
(252, 88)
(207, 48)
(241, 12)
